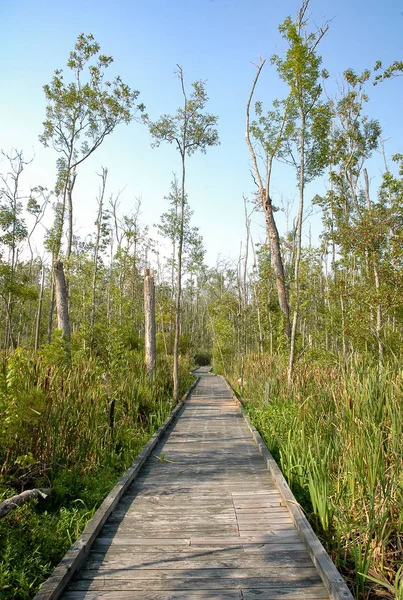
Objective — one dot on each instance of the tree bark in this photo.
(20, 499)
(149, 314)
(62, 308)
(70, 186)
(179, 286)
(376, 280)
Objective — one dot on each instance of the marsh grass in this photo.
(339, 442)
(74, 427)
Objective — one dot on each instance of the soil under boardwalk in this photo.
(203, 521)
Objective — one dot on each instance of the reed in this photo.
(338, 440)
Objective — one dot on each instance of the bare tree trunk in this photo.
(343, 328)
(376, 280)
(70, 186)
(179, 285)
(11, 503)
(63, 320)
(9, 337)
(96, 250)
(149, 315)
(298, 256)
(39, 315)
(51, 310)
(255, 291)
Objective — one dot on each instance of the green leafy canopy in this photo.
(82, 112)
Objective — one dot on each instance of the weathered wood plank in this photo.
(283, 574)
(162, 561)
(110, 584)
(130, 540)
(157, 595)
(268, 548)
(284, 593)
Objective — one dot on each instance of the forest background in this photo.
(304, 322)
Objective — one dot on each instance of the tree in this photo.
(13, 231)
(349, 213)
(79, 116)
(307, 127)
(88, 107)
(192, 246)
(190, 129)
(269, 132)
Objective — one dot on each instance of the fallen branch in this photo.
(20, 499)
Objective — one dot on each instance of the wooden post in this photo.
(62, 308)
(149, 312)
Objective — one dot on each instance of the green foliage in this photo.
(190, 129)
(81, 113)
(307, 117)
(394, 70)
(74, 427)
(338, 442)
(32, 542)
(172, 228)
(202, 358)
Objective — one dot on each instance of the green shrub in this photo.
(202, 358)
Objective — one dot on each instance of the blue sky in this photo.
(214, 40)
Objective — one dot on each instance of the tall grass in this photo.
(339, 442)
(74, 427)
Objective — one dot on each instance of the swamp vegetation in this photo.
(309, 334)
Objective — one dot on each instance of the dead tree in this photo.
(149, 312)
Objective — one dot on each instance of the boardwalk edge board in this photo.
(72, 561)
(334, 582)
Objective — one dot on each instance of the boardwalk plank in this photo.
(157, 595)
(285, 574)
(161, 561)
(209, 583)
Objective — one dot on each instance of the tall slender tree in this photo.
(190, 129)
(308, 122)
(79, 116)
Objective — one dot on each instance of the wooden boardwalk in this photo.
(204, 519)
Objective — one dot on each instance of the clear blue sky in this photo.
(214, 40)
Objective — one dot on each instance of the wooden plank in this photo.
(161, 561)
(158, 526)
(130, 540)
(284, 574)
(312, 593)
(110, 584)
(283, 547)
(265, 538)
(262, 519)
(157, 595)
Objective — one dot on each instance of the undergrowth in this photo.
(73, 427)
(338, 440)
